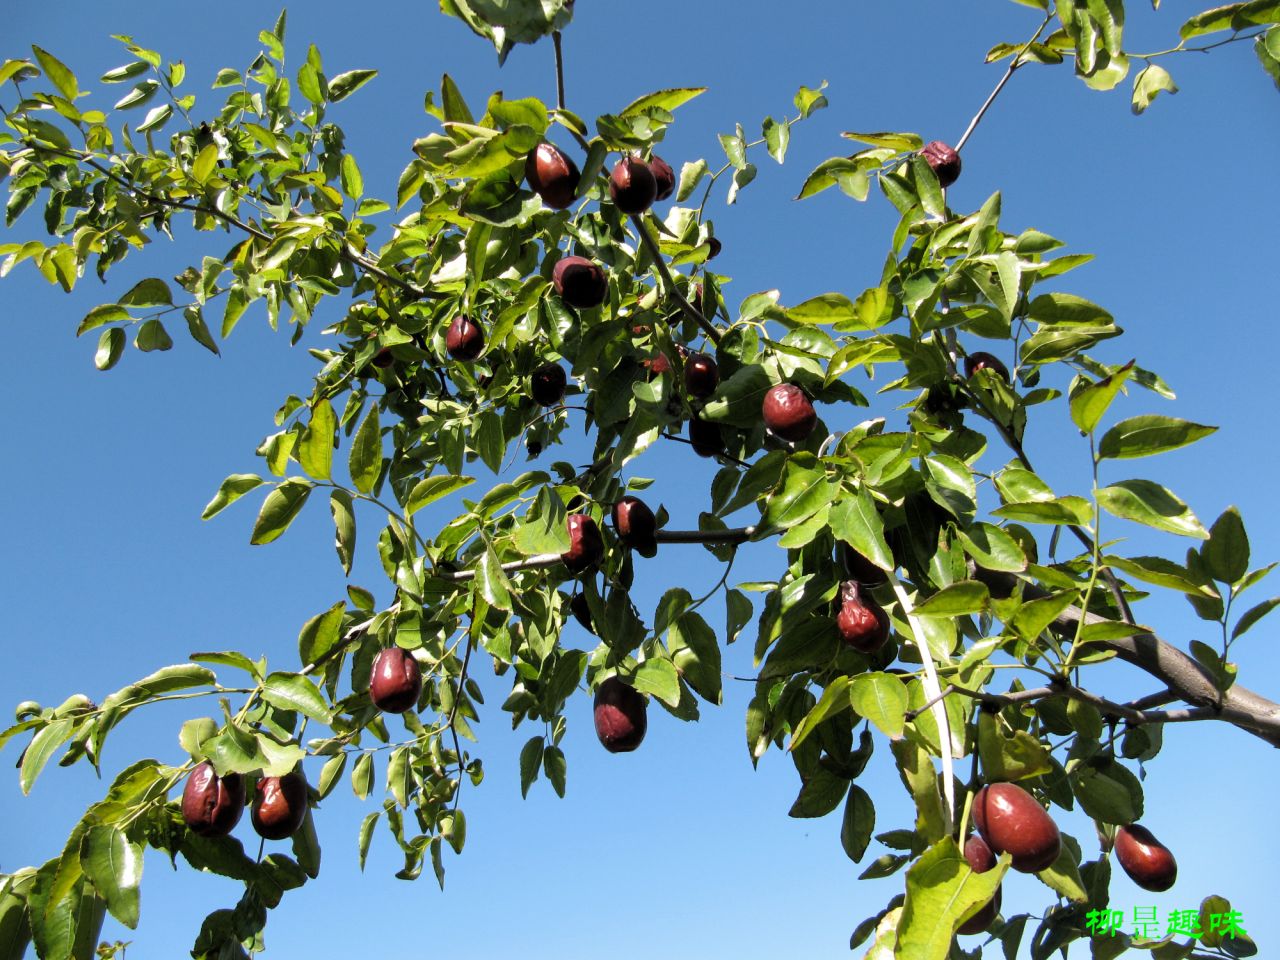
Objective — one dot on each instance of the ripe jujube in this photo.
(620, 713)
(636, 525)
(632, 186)
(862, 623)
(586, 546)
(788, 413)
(212, 805)
(464, 339)
(279, 806)
(552, 175)
(944, 160)
(705, 437)
(1012, 821)
(701, 375)
(1146, 860)
(985, 361)
(579, 282)
(547, 383)
(981, 859)
(664, 177)
(395, 680)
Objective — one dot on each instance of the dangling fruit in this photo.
(620, 716)
(465, 339)
(636, 525)
(985, 361)
(552, 175)
(632, 186)
(547, 383)
(279, 806)
(663, 176)
(944, 161)
(212, 805)
(706, 438)
(701, 375)
(395, 680)
(862, 623)
(586, 546)
(1012, 821)
(981, 859)
(1145, 859)
(788, 413)
(579, 282)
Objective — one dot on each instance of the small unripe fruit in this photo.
(552, 175)
(980, 859)
(663, 177)
(1012, 821)
(985, 361)
(579, 282)
(279, 806)
(632, 186)
(547, 383)
(862, 623)
(701, 375)
(788, 413)
(620, 716)
(396, 680)
(706, 438)
(586, 546)
(212, 805)
(636, 525)
(944, 161)
(465, 339)
(1145, 859)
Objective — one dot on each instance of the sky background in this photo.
(679, 847)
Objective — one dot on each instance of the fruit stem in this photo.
(1014, 64)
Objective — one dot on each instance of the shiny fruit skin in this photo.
(980, 859)
(636, 525)
(395, 681)
(706, 438)
(212, 805)
(465, 339)
(1012, 821)
(1145, 859)
(788, 413)
(620, 716)
(858, 567)
(985, 361)
(586, 546)
(663, 176)
(579, 282)
(863, 625)
(552, 175)
(632, 186)
(582, 612)
(944, 160)
(701, 375)
(279, 806)
(547, 383)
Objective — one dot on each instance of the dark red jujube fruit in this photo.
(788, 413)
(1145, 859)
(279, 806)
(701, 375)
(706, 438)
(862, 623)
(395, 681)
(985, 361)
(1012, 821)
(981, 859)
(464, 339)
(944, 160)
(581, 611)
(858, 567)
(620, 716)
(663, 177)
(547, 383)
(632, 186)
(636, 525)
(586, 546)
(552, 175)
(579, 282)
(212, 805)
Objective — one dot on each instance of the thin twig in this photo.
(555, 39)
(1014, 64)
(672, 290)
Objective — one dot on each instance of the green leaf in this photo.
(659, 678)
(315, 449)
(1089, 404)
(1149, 503)
(494, 585)
(855, 520)
(992, 548)
(42, 747)
(152, 292)
(365, 459)
(1150, 81)
(292, 691)
(834, 701)
(152, 336)
(941, 889)
(555, 767)
(279, 509)
(827, 308)
(433, 488)
(807, 99)
(101, 315)
(530, 762)
(320, 634)
(198, 329)
(110, 347)
(1227, 552)
(231, 490)
(804, 493)
(858, 824)
(56, 71)
(892, 141)
(155, 118)
(691, 175)
(1010, 757)
(1147, 435)
(1253, 615)
(342, 508)
(345, 84)
(819, 795)
(882, 699)
(362, 783)
(662, 99)
(113, 864)
(1068, 510)
(1209, 21)
(352, 181)
(956, 600)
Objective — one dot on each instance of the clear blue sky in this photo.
(680, 848)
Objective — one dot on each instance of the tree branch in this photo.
(1014, 64)
(672, 291)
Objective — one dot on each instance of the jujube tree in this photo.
(534, 273)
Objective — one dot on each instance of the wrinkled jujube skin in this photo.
(620, 716)
(212, 805)
(985, 361)
(863, 625)
(547, 383)
(465, 338)
(579, 282)
(636, 525)
(279, 806)
(701, 375)
(944, 161)
(663, 177)
(552, 175)
(981, 859)
(858, 567)
(788, 413)
(1146, 860)
(632, 186)
(706, 438)
(1012, 821)
(395, 681)
(586, 546)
